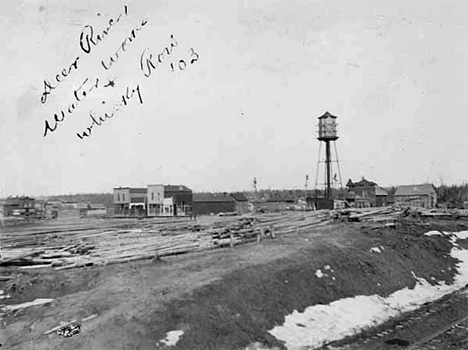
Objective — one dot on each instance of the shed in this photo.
(210, 203)
(242, 203)
(96, 209)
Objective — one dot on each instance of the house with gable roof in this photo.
(421, 196)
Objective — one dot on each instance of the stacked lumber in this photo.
(391, 214)
(379, 215)
(65, 246)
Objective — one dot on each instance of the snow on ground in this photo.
(172, 338)
(375, 249)
(462, 234)
(320, 274)
(319, 324)
(433, 233)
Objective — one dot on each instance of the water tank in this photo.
(327, 127)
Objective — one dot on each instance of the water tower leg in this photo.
(328, 163)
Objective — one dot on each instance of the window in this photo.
(152, 196)
(118, 197)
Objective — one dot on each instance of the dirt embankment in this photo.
(243, 306)
(228, 299)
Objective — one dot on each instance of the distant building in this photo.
(169, 200)
(51, 208)
(155, 200)
(95, 209)
(422, 196)
(242, 203)
(211, 203)
(39, 208)
(365, 194)
(130, 201)
(276, 203)
(317, 203)
(182, 199)
(19, 206)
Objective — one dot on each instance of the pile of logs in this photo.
(105, 245)
(385, 214)
(391, 214)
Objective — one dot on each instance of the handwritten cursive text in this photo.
(87, 37)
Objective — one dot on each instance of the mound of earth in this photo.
(226, 298)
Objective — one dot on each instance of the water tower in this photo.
(327, 133)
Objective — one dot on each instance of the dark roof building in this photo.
(242, 203)
(213, 203)
(213, 197)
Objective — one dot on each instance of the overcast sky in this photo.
(394, 72)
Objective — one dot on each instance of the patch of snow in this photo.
(381, 247)
(461, 234)
(375, 249)
(172, 338)
(327, 267)
(319, 273)
(28, 304)
(433, 233)
(348, 316)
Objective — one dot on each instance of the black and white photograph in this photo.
(234, 175)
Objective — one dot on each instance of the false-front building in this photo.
(155, 200)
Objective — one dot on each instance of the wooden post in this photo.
(297, 230)
(259, 236)
(231, 236)
(273, 232)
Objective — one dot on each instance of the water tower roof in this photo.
(327, 115)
